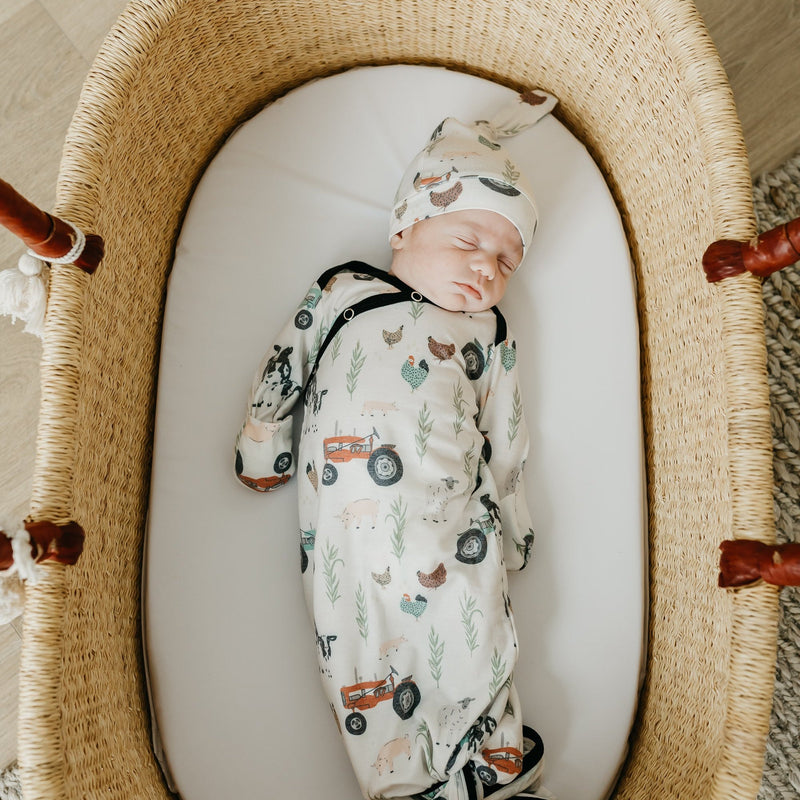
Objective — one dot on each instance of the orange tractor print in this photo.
(281, 466)
(502, 759)
(383, 462)
(365, 695)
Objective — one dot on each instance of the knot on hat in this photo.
(516, 117)
(463, 167)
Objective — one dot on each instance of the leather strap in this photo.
(744, 562)
(49, 542)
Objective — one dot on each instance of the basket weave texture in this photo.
(640, 84)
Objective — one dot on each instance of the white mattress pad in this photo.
(305, 185)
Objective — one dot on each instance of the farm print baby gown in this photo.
(411, 510)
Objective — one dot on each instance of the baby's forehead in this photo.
(482, 223)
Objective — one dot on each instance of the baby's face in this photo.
(462, 261)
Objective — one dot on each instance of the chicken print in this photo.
(440, 350)
(434, 579)
(383, 579)
(443, 199)
(393, 337)
(508, 355)
(415, 607)
(414, 375)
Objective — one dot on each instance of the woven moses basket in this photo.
(640, 84)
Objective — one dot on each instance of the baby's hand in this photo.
(260, 431)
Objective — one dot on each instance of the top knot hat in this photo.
(464, 167)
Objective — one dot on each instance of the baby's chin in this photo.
(458, 301)
(466, 307)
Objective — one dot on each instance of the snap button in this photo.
(348, 314)
(416, 297)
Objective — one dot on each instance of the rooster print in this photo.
(508, 355)
(414, 375)
(415, 607)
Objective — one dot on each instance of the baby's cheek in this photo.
(500, 289)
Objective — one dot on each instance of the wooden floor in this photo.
(46, 48)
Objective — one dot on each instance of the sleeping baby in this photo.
(410, 464)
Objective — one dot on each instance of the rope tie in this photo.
(78, 247)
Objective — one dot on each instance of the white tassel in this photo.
(12, 597)
(23, 293)
(12, 593)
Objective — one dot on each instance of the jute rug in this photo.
(777, 200)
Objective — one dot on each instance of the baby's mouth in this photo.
(470, 290)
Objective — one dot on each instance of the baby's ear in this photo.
(396, 242)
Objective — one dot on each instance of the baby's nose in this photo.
(485, 266)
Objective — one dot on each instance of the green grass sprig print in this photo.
(330, 561)
(515, 418)
(336, 346)
(357, 360)
(319, 338)
(415, 312)
(458, 405)
(513, 130)
(436, 649)
(510, 173)
(424, 429)
(469, 608)
(469, 456)
(498, 673)
(424, 733)
(398, 517)
(362, 619)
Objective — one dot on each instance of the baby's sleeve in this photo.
(264, 458)
(502, 421)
